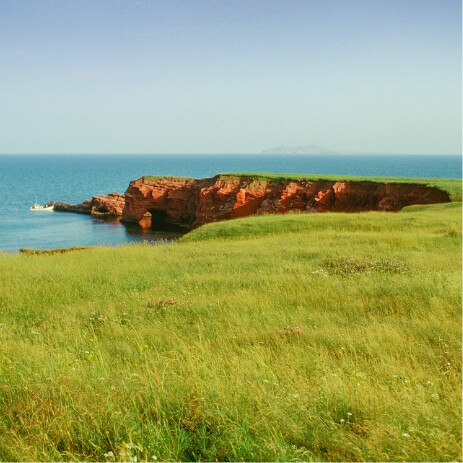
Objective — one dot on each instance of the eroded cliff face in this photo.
(173, 203)
(189, 203)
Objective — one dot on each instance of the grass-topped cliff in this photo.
(296, 337)
(452, 186)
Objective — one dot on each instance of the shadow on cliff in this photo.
(158, 220)
(161, 231)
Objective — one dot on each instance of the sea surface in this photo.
(73, 178)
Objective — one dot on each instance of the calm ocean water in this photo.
(73, 178)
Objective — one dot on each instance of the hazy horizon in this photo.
(227, 154)
(218, 77)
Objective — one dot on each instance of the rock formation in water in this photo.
(186, 203)
(111, 205)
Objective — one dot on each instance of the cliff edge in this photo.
(175, 203)
(188, 203)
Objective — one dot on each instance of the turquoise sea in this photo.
(73, 178)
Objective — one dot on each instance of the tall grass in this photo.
(319, 337)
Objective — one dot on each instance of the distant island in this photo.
(304, 149)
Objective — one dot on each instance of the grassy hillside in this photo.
(298, 337)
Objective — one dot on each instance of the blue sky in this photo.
(235, 76)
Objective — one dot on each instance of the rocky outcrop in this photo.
(174, 203)
(111, 205)
(189, 203)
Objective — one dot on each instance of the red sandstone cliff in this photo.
(189, 203)
(167, 202)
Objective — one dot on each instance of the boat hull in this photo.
(42, 209)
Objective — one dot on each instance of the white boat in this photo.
(38, 208)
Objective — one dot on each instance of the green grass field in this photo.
(326, 337)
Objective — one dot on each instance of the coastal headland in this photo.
(186, 203)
